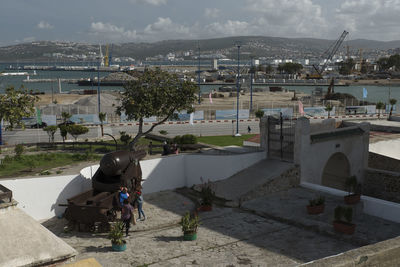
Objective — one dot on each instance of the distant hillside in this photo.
(257, 46)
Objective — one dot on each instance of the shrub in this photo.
(19, 150)
(125, 138)
(185, 139)
(45, 172)
(116, 233)
(189, 223)
(344, 214)
(163, 132)
(317, 201)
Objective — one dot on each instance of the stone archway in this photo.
(335, 172)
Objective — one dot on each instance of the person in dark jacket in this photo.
(126, 215)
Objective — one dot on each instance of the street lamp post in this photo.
(98, 86)
(237, 93)
(198, 73)
(251, 84)
(388, 79)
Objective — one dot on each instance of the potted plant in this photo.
(189, 225)
(354, 190)
(316, 205)
(343, 218)
(207, 197)
(116, 235)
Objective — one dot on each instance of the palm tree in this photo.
(65, 116)
(102, 118)
(379, 106)
(328, 108)
(392, 102)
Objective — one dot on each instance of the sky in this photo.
(118, 21)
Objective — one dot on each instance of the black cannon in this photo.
(99, 205)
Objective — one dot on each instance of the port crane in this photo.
(327, 55)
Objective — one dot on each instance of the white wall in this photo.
(40, 197)
(217, 167)
(163, 173)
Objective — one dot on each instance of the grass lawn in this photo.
(224, 140)
(32, 164)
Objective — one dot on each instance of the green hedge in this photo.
(185, 139)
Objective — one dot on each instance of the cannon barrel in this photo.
(114, 163)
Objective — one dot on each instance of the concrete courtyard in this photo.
(273, 230)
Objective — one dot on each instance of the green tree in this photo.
(259, 113)
(76, 130)
(385, 63)
(50, 130)
(346, 67)
(290, 68)
(63, 131)
(392, 102)
(269, 69)
(15, 105)
(65, 116)
(328, 108)
(379, 107)
(156, 93)
(102, 118)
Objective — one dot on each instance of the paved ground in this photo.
(269, 231)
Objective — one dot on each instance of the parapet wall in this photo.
(381, 162)
(382, 184)
(382, 254)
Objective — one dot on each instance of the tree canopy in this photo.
(385, 63)
(290, 68)
(15, 105)
(156, 93)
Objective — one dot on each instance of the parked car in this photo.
(67, 123)
(38, 125)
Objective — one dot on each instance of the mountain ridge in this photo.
(257, 46)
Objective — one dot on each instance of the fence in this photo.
(102, 147)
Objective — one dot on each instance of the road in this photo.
(198, 129)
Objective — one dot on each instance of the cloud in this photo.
(150, 2)
(44, 25)
(228, 28)
(28, 39)
(110, 31)
(211, 12)
(164, 28)
(370, 18)
(291, 18)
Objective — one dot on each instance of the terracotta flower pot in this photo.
(315, 209)
(352, 199)
(205, 208)
(344, 227)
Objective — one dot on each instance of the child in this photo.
(123, 194)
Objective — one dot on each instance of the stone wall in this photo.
(288, 179)
(381, 162)
(382, 184)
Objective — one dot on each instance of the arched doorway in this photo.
(336, 170)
